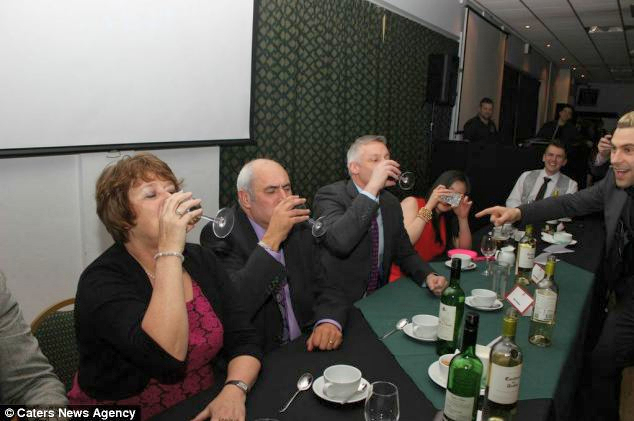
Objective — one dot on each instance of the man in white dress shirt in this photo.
(538, 184)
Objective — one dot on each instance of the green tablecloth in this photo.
(543, 367)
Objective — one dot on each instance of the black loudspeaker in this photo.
(442, 77)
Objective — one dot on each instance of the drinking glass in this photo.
(406, 180)
(318, 226)
(382, 402)
(500, 277)
(488, 249)
(222, 223)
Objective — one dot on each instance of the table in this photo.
(546, 370)
(404, 361)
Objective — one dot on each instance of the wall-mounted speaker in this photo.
(442, 78)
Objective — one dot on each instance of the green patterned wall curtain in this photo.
(324, 75)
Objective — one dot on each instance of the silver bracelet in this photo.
(169, 253)
(266, 247)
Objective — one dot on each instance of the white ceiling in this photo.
(600, 57)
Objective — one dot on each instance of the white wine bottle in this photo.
(505, 371)
(525, 257)
(543, 319)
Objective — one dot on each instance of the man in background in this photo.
(539, 184)
(481, 128)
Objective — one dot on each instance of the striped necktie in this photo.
(373, 283)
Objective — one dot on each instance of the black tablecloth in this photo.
(282, 368)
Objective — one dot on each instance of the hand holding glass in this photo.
(222, 222)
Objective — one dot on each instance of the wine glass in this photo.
(222, 223)
(488, 249)
(382, 402)
(406, 180)
(318, 226)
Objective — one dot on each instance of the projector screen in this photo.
(91, 75)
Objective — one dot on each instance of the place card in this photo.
(520, 299)
(558, 249)
(542, 258)
(537, 274)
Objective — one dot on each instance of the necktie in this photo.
(542, 189)
(373, 284)
(280, 297)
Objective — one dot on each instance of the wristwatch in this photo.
(239, 384)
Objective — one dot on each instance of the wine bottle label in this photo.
(446, 322)
(545, 305)
(504, 384)
(526, 259)
(458, 408)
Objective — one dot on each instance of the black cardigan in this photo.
(116, 357)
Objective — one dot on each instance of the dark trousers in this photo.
(613, 351)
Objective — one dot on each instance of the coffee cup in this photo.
(465, 260)
(483, 297)
(341, 381)
(562, 237)
(443, 364)
(551, 226)
(425, 326)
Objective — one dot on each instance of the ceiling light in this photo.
(563, 59)
(527, 26)
(574, 68)
(603, 29)
(583, 75)
(548, 46)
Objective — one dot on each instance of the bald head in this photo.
(262, 184)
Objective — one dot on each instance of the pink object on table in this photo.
(470, 253)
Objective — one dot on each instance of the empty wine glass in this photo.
(406, 180)
(222, 223)
(382, 402)
(488, 249)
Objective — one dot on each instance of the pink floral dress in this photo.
(205, 341)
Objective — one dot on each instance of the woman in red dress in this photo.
(434, 226)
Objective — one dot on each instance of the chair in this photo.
(627, 395)
(55, 331)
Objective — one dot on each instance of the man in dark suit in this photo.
(614, 195)
(365, 225)
(272, 257)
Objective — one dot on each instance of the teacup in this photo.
(562, 237)
(483, 353)
(465, 260)
(341, 381)
(425, 326)
(443, 364)
(483, 297)
(551, 226)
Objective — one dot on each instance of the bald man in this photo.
(272, 256)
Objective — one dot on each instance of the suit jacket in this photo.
(257, 275)
(604, 197)
(347, 245)
(26, 377)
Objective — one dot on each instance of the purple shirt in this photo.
(293, 326)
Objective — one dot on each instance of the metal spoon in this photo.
(303, 383)
(399, 326)
(361, 388)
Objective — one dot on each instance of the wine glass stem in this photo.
(208, 218)
(489, 264)
(311, 221)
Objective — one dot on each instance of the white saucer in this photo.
(409, 331)
(318, 387)
(471, 266)
(549, 239)
(434, 373)
(496, 305)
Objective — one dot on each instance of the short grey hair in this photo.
(353, 150)
(245, 179)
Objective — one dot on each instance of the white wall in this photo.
(49, 230)
(444, 16)
(617, 98)
(561, 90)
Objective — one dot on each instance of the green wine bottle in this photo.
(450, 312)
(465, 374)
(505, 370)
(543, 319)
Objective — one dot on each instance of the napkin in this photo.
(558, 249)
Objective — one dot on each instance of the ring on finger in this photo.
(331, 342)
(179, 212)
